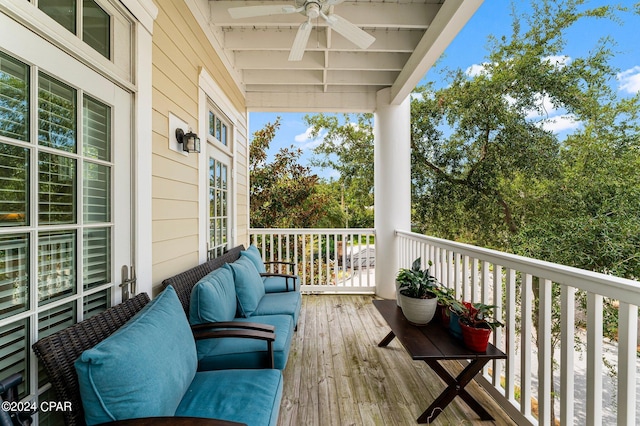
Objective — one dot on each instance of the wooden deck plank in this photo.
(337, 375)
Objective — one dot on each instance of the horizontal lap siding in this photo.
(180, 51)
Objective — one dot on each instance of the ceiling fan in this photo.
(311, 9)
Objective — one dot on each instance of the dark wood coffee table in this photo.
(432, 343)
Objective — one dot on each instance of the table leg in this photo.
(455, 387)
(389, 337)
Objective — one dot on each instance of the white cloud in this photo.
(545, 107)
(560, 60)
(560, 123)
(476, 69)
(306, 141)
(630, 80)
(303, 137)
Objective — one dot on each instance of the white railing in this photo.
(526, 292)
(327, 260)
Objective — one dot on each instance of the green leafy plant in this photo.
(417, 283)
(479, 315)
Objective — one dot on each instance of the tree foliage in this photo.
(284, 194)
(347, 147)
(486, 170)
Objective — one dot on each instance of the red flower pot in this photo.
(475, 339)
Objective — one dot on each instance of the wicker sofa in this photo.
(138, 359)
(233, 290)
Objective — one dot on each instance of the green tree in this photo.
(486, 171)
(284, 194)
(347, 147)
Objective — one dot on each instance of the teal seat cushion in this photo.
(252, 253)
(213, 298)
(288, 303)
(279, 284)
(226, 353)
(249, 286)
(245, 396)
(143, 369)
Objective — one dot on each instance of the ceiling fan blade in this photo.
(349, 31)
(300, 42)
(263, 10)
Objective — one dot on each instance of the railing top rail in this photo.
(306, 231)
(606, 285)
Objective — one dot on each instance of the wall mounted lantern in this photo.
(190, 141)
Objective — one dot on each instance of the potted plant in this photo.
(417, 293)
(446, 297)
(456, 310)
(476, 323)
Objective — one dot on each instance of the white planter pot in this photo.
(398, 301)
(418, 311)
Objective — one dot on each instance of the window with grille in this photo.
(84, 18)
(218, 207)
(56, 227)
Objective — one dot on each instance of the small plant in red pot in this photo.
(477, 322)
(446, 297)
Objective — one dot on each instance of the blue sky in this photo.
(469, 50)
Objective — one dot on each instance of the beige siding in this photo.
(180, 50)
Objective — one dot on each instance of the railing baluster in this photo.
(475, 287)
(525, 345)
(545, 368)
(627, 356)
(510, 376)
(497, 333)
(567, 354)
(465, 279)
(457, 275)
(594, 359)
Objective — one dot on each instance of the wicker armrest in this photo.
(267, 336)
(59, 351)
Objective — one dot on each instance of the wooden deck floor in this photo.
(337, 375)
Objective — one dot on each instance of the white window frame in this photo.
(211, 93)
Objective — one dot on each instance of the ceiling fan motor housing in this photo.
(312, 8)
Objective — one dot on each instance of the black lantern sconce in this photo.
(190, 141)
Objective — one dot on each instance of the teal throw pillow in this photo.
(253, 254)
(143, 369)
(213, 298)
(249, 286)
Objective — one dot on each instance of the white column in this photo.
(392, 147)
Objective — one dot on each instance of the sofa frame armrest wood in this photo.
(267, 336)
(287, 277)
(234, 324)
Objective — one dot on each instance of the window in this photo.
(218, 207)
(56, 208)
(94, 28)
(219, 149)
(218, 128)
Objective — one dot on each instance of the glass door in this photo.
(65, 146)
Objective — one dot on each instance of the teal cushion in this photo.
(279, 284)
(213, 298)
(253, 254)
(288, 303)
(219, 354)
(245, 396)
(143, 369)
(249, 286)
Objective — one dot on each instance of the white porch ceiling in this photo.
(334, 74)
